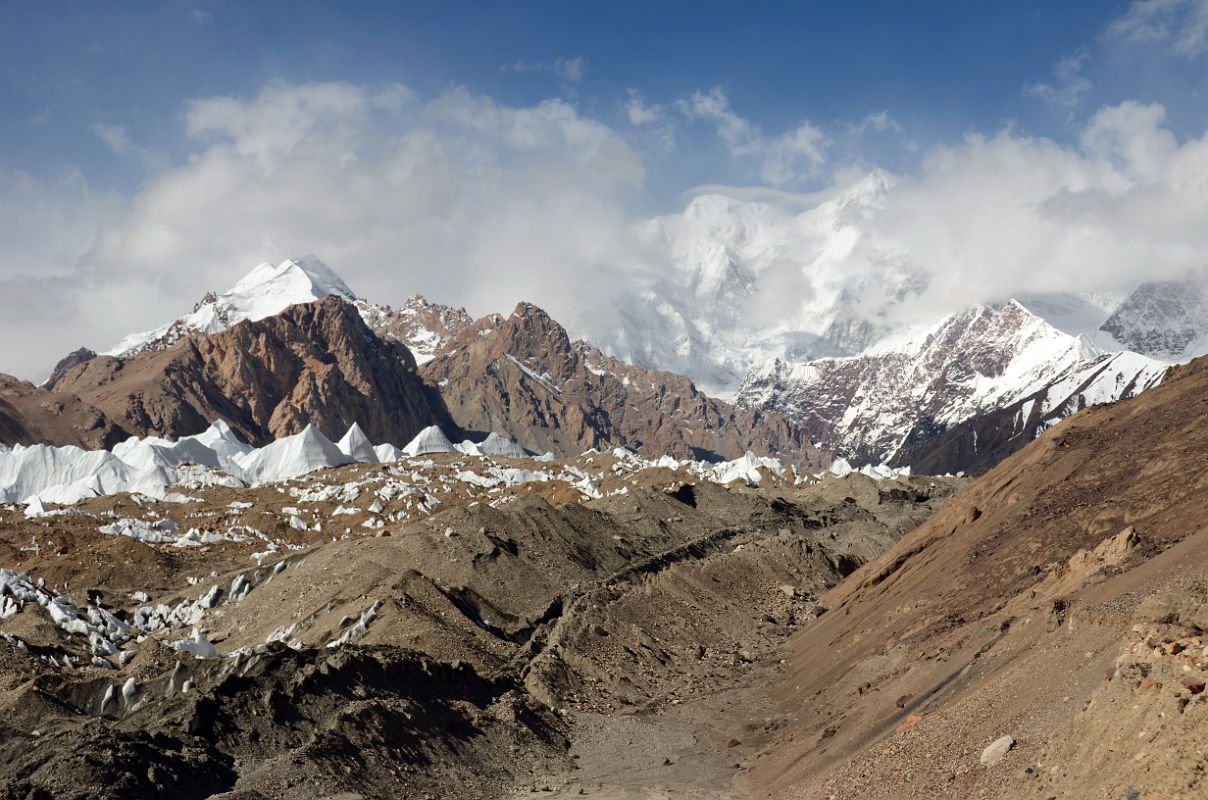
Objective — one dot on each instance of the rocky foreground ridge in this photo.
(441, 625)
(1059, 601)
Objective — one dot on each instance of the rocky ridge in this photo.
(312, 364)
(522, 376)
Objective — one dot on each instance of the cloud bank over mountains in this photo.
(475, 202)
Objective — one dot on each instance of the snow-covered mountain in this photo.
(268, 290)
(806, 306)
(263, 292)
(865, 407)
(1164, 320)
(805, 313)
(744, 281)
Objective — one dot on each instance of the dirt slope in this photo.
(1003, 614)
(473, 652)
(29, 415)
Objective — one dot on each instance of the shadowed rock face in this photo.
(315, 363)
(75, 358)
(523, 377)
(29, 414)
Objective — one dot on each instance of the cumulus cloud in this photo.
(476, 202)
(996, 216)
(1068, 87)
(782, 159)
(1183, 24)
(458, 196)
(638, 112)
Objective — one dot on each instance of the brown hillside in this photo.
(1004, 612)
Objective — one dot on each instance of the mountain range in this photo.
(232, 603)
(835, 372)
(818, 316)
(291, 346)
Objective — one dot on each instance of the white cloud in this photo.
(782, 159)
(1130, 138)
(998, 215)
(1183, 24)
(1069, 86)
(476, 202)
(460, 197)
(638, 112)
(880, 122)
(285, 120)
(115, 137)
(568, 69)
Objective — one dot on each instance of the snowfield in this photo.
(153, 467)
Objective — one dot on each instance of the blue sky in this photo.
(939, 69)
(484, 153)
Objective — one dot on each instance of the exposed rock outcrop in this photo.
(29, 414)
(426, 328)
(522, 376)
(72, 359)
(315, 363)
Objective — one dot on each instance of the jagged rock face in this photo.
(81, 356)
(29, 415)
(424, 327)
(884, 405)
(523, 377)
(314, 363)
(979, 443)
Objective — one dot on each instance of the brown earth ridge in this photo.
(1062, 600)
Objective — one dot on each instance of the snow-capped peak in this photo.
(296, 280)
(263, 292)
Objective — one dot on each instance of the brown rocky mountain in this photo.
(523, 377)
(72, 359)
(1060, 601)
(321, 363)
(313, 363)
(424, 327)
(29, 414)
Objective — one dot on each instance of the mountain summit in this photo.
(263, 292)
